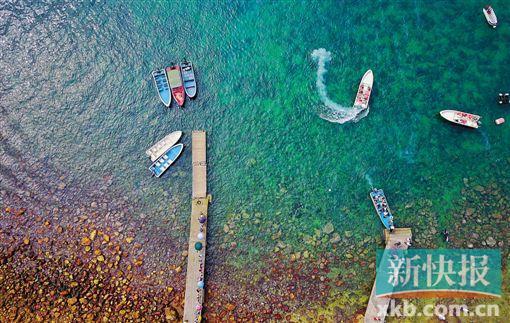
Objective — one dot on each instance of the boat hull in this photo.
(364, 91)
(162, 86)
(491, 18)
(173, 74)
(188, 78)
(161, 165)
(163, 145)
(381, 207)
(461, 118)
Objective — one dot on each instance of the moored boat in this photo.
(461, 118)
(163, 145)
(166, 160)
(173, 74)
(381, 207)
(162, 86)
(364, 90)
(490, 16)
(188, 77)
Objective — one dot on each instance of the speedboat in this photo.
(188, 77)
(490, 16)
(173, 74)
(462, 118)
(364, 90)
(381, 207)
(166, 160)
(162, 86)
(161, 146)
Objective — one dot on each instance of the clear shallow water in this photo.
(76, 93)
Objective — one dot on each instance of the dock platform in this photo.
(373, 314)
(194, 295)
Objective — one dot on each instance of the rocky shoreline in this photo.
(85, 254)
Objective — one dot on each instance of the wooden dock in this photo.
(400, 237)
(195, 284)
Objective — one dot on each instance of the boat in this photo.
(161, 146)
(381, 207)
(166, 160)
(490, 16)
(188, 77)
(162, 86)
(462, 118)
(364, 90)
(173, 74)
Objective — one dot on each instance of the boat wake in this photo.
(332, 111)
(369, 180)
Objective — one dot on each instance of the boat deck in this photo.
(375, 303)
(194, 295)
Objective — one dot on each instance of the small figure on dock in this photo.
(446, 235)
(408, 242)
(504, 98)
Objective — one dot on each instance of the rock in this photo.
(470, 245)
(335, 238)
(86, 241)
(170, 314)
(92, 235)
(497, 216)
(71, 301)
(226, 228)
(348, 234)
(93, 204)
(129, 239)
(61, 186)
(470, 211)
(328, 228)
(478, 188)
(491, 242)
(306, 254)
(230, 307)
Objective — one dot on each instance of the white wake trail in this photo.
(333, 111)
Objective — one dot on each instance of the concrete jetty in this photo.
(377, 306)
(195, 284)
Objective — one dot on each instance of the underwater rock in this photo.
(470, 211)
(335, 238)
(328, 228)
(491, 242)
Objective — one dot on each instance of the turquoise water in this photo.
(76, 94)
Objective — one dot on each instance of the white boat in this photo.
(462, 118)
(364, 90)
(490, 16)
(163, 145)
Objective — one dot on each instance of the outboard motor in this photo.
(504, 98)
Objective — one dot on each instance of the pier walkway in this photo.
(194, 296)
(379, 305)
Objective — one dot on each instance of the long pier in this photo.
(195, 284)
(378, 306)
